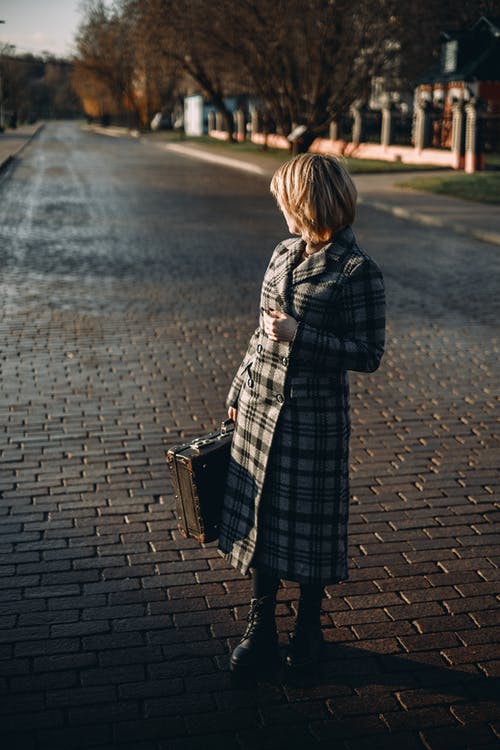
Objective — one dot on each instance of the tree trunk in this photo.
(228, 119)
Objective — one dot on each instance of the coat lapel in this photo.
(283, 266)
(318, 263)
(313, 266)
(289, 268)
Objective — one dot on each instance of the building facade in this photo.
(469, 70)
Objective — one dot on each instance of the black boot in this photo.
(259, 646)
(306, 644)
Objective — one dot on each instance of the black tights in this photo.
(311, 594)
(264, 584)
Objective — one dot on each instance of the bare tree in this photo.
(37, 87)
(182, 34)
(307, 62)
(159, 77)
(106, 56)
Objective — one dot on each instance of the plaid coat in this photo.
(287, 494)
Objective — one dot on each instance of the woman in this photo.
(287, 497)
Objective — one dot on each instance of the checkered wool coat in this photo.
(287, 495)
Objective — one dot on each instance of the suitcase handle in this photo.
(224, 428)
(199, 443)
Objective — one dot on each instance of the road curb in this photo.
(10, 158)
(5, 163)
(431, 221)
(112, 131)
(225, 161)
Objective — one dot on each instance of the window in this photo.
(450, 56)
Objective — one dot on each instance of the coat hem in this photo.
(235, 562)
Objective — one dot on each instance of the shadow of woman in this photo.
(361, 668)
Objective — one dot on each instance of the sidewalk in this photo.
(12, 142)
(478, 220)
(113, 131)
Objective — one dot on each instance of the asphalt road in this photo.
(129, 287)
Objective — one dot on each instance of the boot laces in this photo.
(260, 617)
(252, 619)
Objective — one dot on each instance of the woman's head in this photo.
(316, 195)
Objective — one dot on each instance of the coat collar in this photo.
(288, 261)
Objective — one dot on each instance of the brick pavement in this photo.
(115, 631)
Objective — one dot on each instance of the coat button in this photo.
(279, 398)
(250, 383)
(259, 348)
(285, 361)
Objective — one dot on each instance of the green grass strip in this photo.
(483, 187)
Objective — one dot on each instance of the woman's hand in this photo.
(232, 413)
(279, 326)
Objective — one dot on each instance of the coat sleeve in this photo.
(360, 346)
(234, 390)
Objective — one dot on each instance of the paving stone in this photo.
(446, 622)
(140, 655)
(373, 701)
(179, 705)
(358, 726)
(26, 703)
(115, 712)
(490, 668)
(44, 681)
(459, 738)
(57, 662)
(268, 738)
(107, 675)
(428, 641)
(32, 720)
(481, 635)
(149, 688)
(419, 718)
(476, 713)
(395, 741)
(83, 737)
(220, 739)
(419, 697)
(485, 618)
(140, 730)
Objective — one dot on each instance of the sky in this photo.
(39, 25)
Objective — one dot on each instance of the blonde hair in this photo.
(318, 192)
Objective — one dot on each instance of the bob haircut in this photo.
(318, 193)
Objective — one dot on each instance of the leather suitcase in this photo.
(198, 471)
